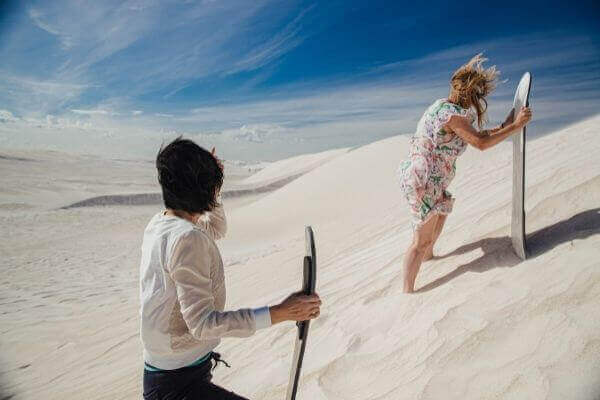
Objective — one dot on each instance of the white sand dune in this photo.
(483, 325)
(51, 179)
(59, 180)
(293, 166)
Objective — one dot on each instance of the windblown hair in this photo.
(471, 83)
(190, 176)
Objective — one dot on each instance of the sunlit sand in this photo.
(483, 324)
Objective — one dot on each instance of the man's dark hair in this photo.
(189, 175)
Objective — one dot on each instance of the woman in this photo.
(182, 285)
(442, 135)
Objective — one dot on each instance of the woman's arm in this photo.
(462, 127)
(509, 118)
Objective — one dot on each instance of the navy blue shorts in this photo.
(189, 383)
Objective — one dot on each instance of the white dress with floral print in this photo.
(430, 167)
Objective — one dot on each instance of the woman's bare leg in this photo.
(422, 239)
(439, 226)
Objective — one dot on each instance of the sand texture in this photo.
(483, 324)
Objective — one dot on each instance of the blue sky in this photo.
(269, 79)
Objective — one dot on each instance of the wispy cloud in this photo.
(109, 66)
(283, 41)
(28, 95)
(541, 52)
(36, 17)
(131, 48)
(90, 112)
(399, 91)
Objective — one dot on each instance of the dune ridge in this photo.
(138, 199)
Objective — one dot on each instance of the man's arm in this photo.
(190, 267)
(214, 223)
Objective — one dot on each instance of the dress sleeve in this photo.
(214, 223)
(443, 116)
(190, 269)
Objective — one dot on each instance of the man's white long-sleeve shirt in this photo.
(182, 292)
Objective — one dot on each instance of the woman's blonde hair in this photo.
(471, 83)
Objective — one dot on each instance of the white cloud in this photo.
(207, 39)
(317, 115)
(36, 17)
(569, 68)
(30, 95)
(284, 41)
(61, 123)
(7, 116)
(117, 48)
(256, 133)
(91, 112)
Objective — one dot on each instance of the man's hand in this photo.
(297, 307)
(219, 162)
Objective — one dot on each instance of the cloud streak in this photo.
(284, 41)
(110, 66)
(90, 112)
(115, 49)
(399, 91)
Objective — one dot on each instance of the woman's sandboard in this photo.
(308, 287)
(517, 226)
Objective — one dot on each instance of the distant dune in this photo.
(294, 166)
(11, 158)
(274, 176)
(156, 198)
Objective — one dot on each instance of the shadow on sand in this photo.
(498, 252)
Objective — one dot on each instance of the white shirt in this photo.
(182, 292)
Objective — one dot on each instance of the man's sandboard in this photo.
(308, 287)
(517, 225)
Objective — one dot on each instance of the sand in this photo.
(293, 166)
(483, 324)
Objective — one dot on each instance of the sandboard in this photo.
(308, 287)
(517, 226)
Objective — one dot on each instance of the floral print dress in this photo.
(431, 165)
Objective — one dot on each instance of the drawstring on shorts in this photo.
(217, 358)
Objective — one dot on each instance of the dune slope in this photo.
(483, 325)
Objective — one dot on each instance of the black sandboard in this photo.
(309, 283)
(517, 225)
